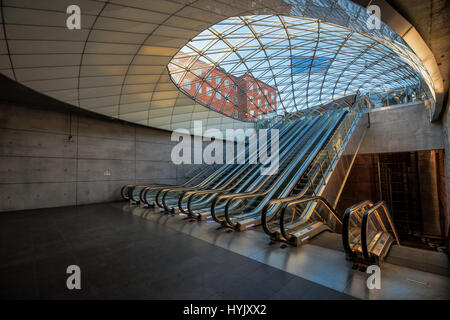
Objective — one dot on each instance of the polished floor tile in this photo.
(321, 261)
(123, 256)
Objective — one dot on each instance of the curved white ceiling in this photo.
(117, 63)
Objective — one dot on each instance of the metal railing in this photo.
(282, 182)
(290, 206)
(220, 184)
(368, 226)
(220, 179)
(259, 184)
(396, 96)
(351, 228)
(140, 193)
(246, 181)
(314, 179)
(376, 218)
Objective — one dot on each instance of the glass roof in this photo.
(253, 67)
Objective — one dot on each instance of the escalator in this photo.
(207, 175)
(235, 195)
(197, 203)
(368, 233)
(133, 193)
(172, 198)
(308, 208)
(369, 237)
(297, 204)
(244, 210)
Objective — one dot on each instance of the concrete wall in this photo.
(401, 129)
(40, 168)
(362, 183)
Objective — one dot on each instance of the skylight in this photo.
(301, 62)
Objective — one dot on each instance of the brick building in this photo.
(244, 97)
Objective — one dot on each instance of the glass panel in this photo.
(295, 63)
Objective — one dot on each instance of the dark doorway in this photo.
(411, 184)
(400, 188)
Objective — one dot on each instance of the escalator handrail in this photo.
(242, 195)
(364, 223)
(155, 186)
(223, 187)
(317, 149)
(264, 215)
(152, 187)
(323, 200)
(300, 195)
(287, 150)
(144, 191)
(192, 193)
(124, 195)
(346, 221)
(282, 176)
(250, 194)
(235, 172)
(309, 199)
(356, 116)
(284, 200)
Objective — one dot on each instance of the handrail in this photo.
(208, 191)
(144, 191)
(223, 187)
(311, 175)
(287, 147)
(346, 221)
(150, 187)
(210, 179)
(287, 150)
(316, 149)
(130, 190)
(307, 199)
(147, 188)
(205, 181)
(250, 194)
(131, 187)
(364, 223)
(234, 174)
(281, 201)
(124, 196)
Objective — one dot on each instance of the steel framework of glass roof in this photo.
(308, 61)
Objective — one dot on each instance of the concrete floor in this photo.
(124, 256)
